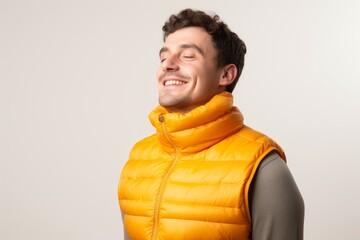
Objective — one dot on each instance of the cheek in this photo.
(209, 79)
(159, 72)
(192, 71)
(204, 74)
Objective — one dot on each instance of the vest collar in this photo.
(198, 129)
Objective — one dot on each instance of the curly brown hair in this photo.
(231, 49)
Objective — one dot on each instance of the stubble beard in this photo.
(172, 102)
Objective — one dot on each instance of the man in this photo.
(204, 174)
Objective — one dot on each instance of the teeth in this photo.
(174, 82)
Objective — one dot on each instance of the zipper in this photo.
(164, 181)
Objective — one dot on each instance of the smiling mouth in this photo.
(173, 83)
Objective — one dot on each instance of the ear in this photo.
(228, 75)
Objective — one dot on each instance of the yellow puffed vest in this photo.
(191, 179)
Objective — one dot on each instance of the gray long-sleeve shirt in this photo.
(277, 207)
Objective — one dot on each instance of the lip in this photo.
(167, 76)
(170, 78)
(174, 79)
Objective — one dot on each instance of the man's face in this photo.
(188, 75)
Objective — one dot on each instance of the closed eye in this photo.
(188, 57)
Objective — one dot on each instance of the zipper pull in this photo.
(161, 117)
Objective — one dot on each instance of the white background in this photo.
(77, 81)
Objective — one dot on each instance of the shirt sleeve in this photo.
(126, 237)
(276, 204)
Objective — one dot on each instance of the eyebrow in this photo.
(183, 46)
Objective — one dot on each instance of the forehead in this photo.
(190, 35)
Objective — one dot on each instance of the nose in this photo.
(169, 64)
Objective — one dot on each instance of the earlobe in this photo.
(229, 75)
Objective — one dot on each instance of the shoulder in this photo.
(247, 135)
(248, 143)
(145, 148)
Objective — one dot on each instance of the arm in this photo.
(126, 237)
(277, 208)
